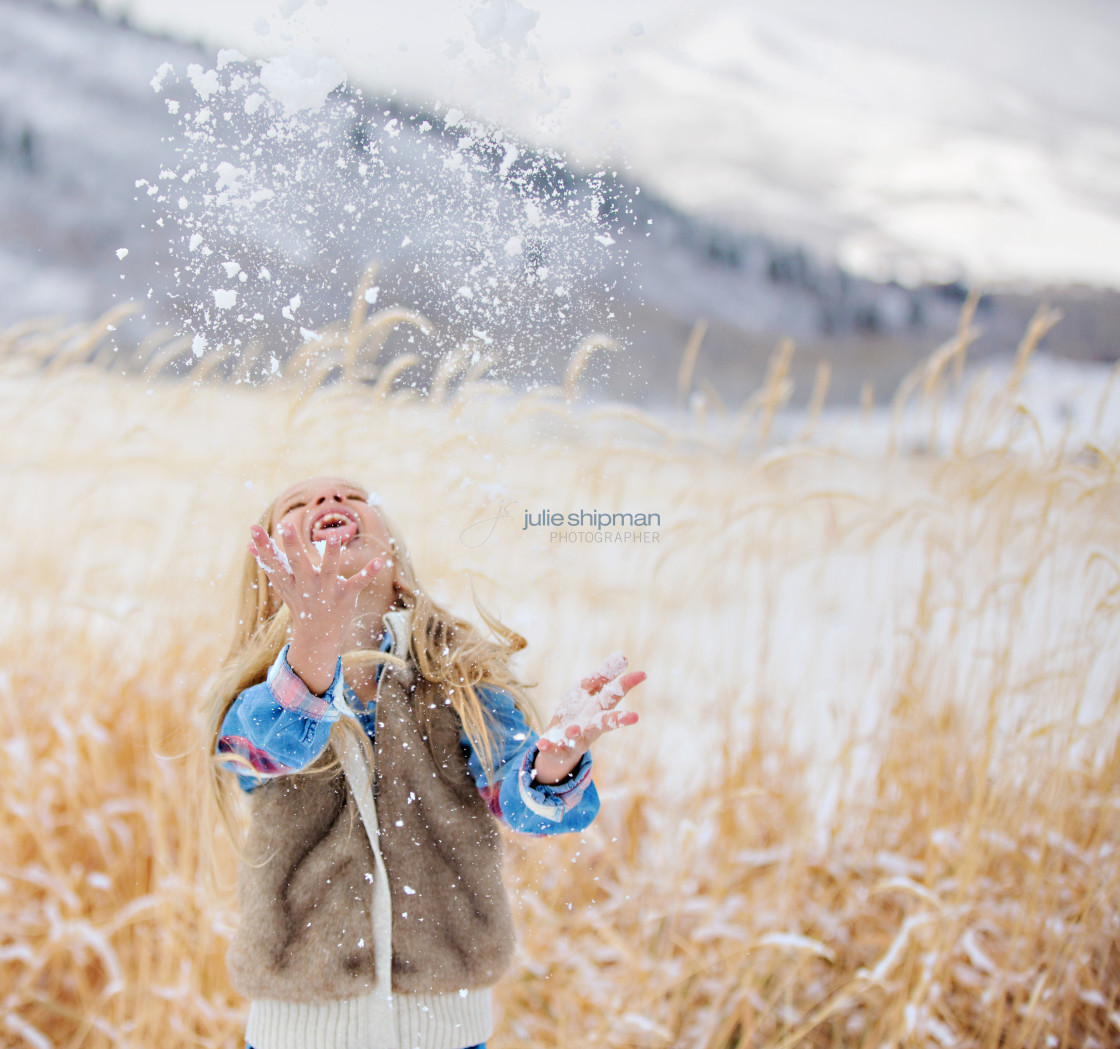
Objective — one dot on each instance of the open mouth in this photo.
(333, 523)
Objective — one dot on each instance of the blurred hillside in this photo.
(81, 126)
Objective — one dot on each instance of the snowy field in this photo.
(871, 799)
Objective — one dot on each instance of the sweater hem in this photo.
(450, 1020)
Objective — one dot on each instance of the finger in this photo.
(593, 682)
(294, 549)
(328, 565)
(259, 543)
(608, 670)
(613, 719)
(251, 550)
(268, 554)
(360, 579)
(551, 732)
(634, 678)
(255, 554)
(611, 696)
(558, 737)
(579, 737)
(282, 558)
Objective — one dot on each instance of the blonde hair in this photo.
(448, 651)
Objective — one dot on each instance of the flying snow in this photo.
(301, 80)
(288, 184)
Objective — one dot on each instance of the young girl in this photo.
(380, 740)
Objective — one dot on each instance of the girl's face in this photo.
(329, 506)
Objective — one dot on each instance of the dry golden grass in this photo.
(874, 799)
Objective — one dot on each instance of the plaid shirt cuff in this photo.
(552, 802)
(292, 694)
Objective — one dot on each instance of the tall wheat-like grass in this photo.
(874, 799)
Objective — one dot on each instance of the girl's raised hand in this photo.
(584, 714)
(321, 602)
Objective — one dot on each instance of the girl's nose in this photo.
(327, 496)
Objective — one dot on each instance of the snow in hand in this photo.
(280, 555)
(586, 708)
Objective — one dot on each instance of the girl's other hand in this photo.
(584, 714)
(321, 602)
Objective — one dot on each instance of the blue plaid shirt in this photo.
(279, 727)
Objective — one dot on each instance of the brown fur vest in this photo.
(307, 884)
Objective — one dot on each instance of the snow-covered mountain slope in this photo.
(935, 140)
(143, 168)
(78, 124)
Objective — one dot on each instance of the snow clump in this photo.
(301, 80)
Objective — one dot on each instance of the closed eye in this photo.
(291, 507)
